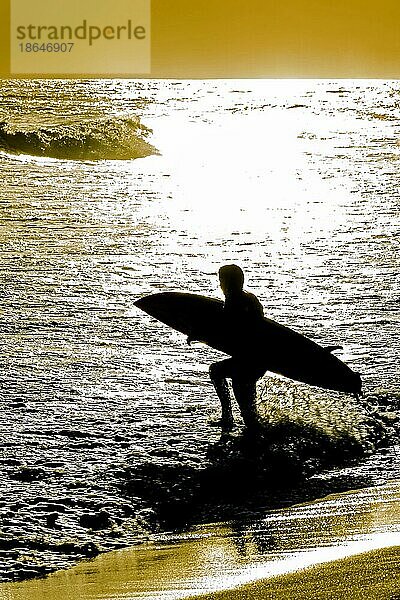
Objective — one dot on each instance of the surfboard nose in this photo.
(152, 304)
(140, 303)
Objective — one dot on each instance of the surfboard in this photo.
(275, 347)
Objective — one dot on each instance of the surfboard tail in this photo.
(357, 384)
(351, 383)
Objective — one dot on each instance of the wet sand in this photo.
(372, 575)
(290, 552)
(369, 576)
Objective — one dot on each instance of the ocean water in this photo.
(114, 189)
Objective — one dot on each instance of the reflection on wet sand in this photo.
(218, 557)
(370, 576)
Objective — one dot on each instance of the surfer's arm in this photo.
(254, 307)
(192, 338)
(333, 348)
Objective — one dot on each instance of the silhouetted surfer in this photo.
(243, 314)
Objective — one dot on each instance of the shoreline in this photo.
(290, 549)
(193, 476)
(365, 575)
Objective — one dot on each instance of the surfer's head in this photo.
(231, 279)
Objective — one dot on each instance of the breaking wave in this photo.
(104, 139)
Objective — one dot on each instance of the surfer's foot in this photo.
(253, 426)
(227, 425)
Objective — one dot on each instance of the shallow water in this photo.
(297, 181)
(226, 555)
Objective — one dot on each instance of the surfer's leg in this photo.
(219, 371)
(245, 394)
